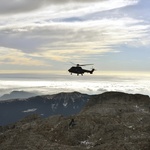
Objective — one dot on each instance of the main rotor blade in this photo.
(73, 63)
(86, 64)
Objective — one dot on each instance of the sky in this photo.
(41, 36)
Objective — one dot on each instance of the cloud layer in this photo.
(96, 86)
(18, 6)
(49, 32)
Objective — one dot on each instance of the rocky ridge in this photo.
(111, 120)
(45, 105)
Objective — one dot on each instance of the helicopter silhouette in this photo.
(79, 70)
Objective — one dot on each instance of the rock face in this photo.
(114, 103)
(109, 121)
(47, 105)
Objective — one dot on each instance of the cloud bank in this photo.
(19, 6)
(102, 84)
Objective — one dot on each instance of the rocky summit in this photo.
(109, 121)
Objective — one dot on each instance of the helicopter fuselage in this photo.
(78, 70)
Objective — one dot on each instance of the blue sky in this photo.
(44, 36)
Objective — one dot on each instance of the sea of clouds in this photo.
(56, 84)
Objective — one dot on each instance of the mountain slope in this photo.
(128, 129)
(62, 103)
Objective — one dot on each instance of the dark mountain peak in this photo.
(117, 100)
(66, 96)
(70, 94)
(118, 97)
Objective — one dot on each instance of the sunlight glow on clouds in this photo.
(16, 57)
(128, 85)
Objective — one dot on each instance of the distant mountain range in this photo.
(47, 105)
(17, 95)
(112, 120)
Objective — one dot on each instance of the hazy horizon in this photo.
(89, 84)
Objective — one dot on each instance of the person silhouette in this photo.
(72, 123)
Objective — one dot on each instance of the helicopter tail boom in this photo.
(91, 72)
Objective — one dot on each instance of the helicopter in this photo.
(78, 69)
